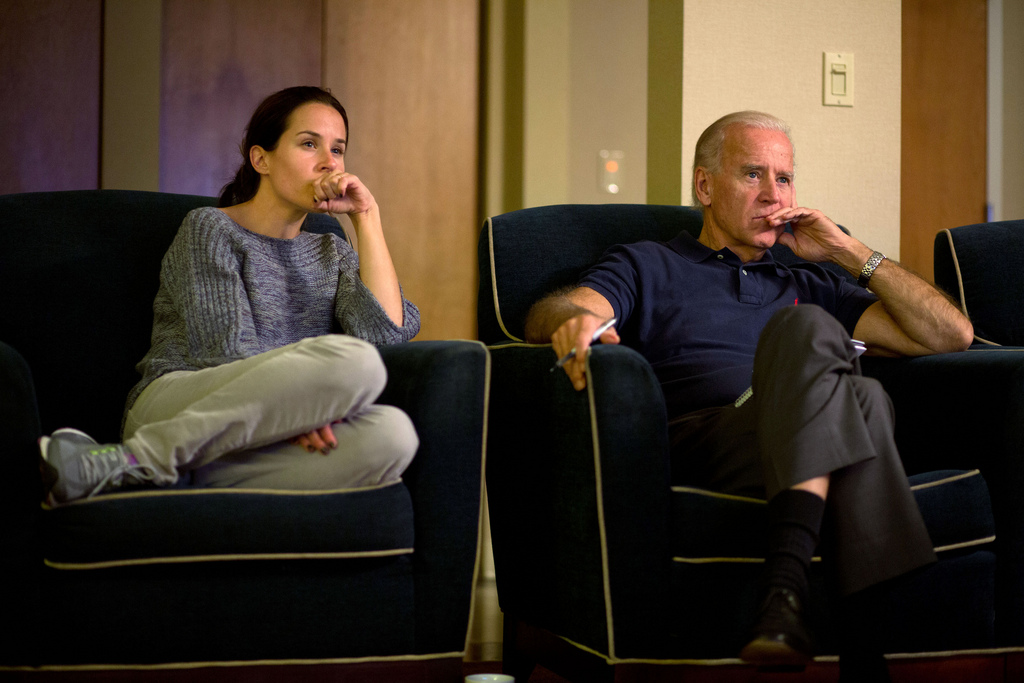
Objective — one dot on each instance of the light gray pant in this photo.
(229, 425)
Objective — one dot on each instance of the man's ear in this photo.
(702, 183)
(258, 159)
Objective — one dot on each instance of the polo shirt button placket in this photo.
(750, 288)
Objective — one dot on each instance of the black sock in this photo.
(794, 524)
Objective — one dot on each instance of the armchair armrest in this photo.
(20, 494)
(21, 489)
(442, 385)
(980, 267)
(964, 411)
(587, 474)
(19, 429)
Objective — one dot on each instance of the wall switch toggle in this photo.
(837, 79)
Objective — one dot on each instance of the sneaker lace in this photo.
(120, 474)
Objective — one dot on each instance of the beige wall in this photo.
(1012, 185)
(607, 97)
(584, 90)
(739, 54)
(546, 82)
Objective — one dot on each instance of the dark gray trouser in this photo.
(813, 414)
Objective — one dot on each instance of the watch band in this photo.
(869, 268)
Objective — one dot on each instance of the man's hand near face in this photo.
(816, 238)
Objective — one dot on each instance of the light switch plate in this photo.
(837, 79)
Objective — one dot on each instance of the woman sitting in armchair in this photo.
(263, 370)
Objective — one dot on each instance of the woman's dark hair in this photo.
(265, 129)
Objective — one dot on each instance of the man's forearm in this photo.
(548, 314)
(926, 320)
(921, 311)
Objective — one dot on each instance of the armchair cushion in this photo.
(719, 546)
(982, 267)
(954, 504)
(218, 525)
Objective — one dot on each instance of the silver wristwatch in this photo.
(869, 268)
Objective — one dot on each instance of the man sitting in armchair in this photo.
(761, 378)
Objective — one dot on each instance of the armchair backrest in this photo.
(982, 267)
(527, 254)
(78, 274)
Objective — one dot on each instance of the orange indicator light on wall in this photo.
(609, 170)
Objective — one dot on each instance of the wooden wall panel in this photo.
(49, 95)
(408, 75)
(220, 59)
(943, 158)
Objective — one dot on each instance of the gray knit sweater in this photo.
(227, 293)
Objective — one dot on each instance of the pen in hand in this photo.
(572, 353)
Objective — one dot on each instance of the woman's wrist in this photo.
(370, 217)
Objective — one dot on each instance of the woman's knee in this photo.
(347, 360)
(380, 444)
(396, 433)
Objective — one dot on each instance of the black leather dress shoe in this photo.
(780, 637)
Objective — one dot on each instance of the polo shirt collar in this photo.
(687, 246)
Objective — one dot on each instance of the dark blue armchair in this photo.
(366, 584)
(605, 571)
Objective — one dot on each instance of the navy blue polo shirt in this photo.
(696, 314)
